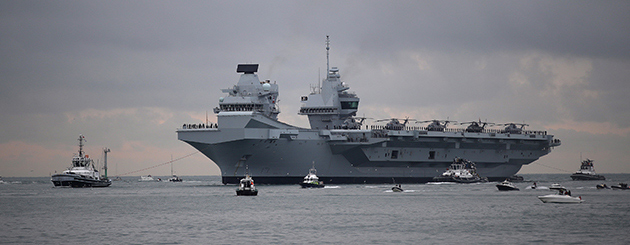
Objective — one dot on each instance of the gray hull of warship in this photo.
(249, 136)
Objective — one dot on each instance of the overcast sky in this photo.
(126, 74)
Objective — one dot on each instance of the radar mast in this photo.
(327, 55)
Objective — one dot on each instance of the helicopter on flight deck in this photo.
(476, 127)
(436, 125)
(395, 124)
(353, 122)
(513, 128)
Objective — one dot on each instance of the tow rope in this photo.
(161, 164)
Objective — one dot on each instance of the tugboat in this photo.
(246, 187)
(311, 180)
(587, 172)
(507, 186)
(563, 196)
(621, 186)
(82, 173)
(461, 171)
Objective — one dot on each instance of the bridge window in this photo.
(431, 154)
(349, 105)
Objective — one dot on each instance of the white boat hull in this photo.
(555, 198)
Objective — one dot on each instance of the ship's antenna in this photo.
(81, 139)
(327, 55)
(105, 151)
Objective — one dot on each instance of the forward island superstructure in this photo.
(248, 133)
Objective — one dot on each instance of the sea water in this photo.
(201, 210)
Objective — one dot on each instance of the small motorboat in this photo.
(557, 198)
(246, 187)
(175, 179)
(507, 186)
(602, 186)
(146, 178)
(621, 186)
(397, 188)
(556, 186)
(516, 178)
(534, 186)
(564, 196)
(311, 180)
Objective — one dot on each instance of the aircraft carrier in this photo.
(248, 138)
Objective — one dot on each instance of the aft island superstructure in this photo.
(248, 134)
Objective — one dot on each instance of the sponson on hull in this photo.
(82, 172)
(248, 132)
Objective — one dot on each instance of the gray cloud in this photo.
(128, 73)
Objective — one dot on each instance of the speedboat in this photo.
(557, 198)
(146, 178)
(460, 171)
(621, 186)
(587, 172)
(397, 188)
(564, 196)
(507, 186)
(311, 180)
(246, 187)
(602, 186)
(82, 172)
(556, 186)
(516, 178)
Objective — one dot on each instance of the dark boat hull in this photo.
(311, 185)
(506, 188)
(246, 192)
(587, 177)
(78, 181)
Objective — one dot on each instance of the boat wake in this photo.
(391, 191)
(537, 188)
(441, 183)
